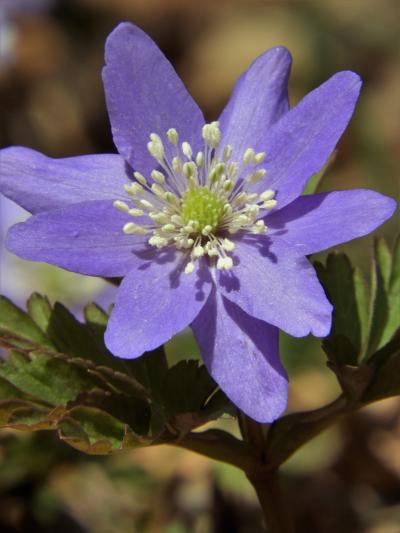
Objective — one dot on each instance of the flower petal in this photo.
(316, 222)
(259, 99)
(86, 238)
(241, 353)
(299, 144)
(278, 287)
(154, 302)
(39, 183)
(145, 95)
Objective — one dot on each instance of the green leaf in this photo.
(128, 409)
(315, 180)
(92, 431)
(72, 337)
(343, 285)
(362, 299)
(48, 377)
(386, 381)
(393, 290)
(39, 309)
(379, 305)
(14, 320)
(187, 387)
(150, 370)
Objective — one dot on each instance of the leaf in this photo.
(92, 431)
(39, 309)
(48, 377)
(386, 381)
(187, 387)
(150, 370)
(14, 320)
(343, 285)
(362, 299)
(135, 412)
(393, 289)
(379, 305)
(315, 180)
(72, 337)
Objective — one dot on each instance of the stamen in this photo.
(121, 206)
(173, 136)
(140, 178)
(194, 204)
(187, 150)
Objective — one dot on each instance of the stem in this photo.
(264, 479)
(219, 445)
(268, 490)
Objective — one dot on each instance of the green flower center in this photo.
(202, 206)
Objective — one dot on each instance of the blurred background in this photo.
(51, 99)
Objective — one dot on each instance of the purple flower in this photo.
(205, 222)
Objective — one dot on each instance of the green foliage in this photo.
(363, 347)
(58, 375)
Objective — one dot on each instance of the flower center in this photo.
(198, 203)
(202, 206)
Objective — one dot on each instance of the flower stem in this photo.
(269, 494)
(264, 479)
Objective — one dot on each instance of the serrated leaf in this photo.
(71, 336)
(187, 386)
(342, 286)
(135, 412)
(92, 431)
(150, 371)
(47, 377)
(14, 320)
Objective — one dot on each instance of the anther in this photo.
(131, 228)
(122, 206)
(248, 156)
(260, 157)
(187, 150)
(158, 177)
(140, 178)
(267, 195)
(189, 268)
(173, 136)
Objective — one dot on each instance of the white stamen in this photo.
(158, 177)
(122, 206)
(131, 228)
(136, 212)
(189, 268)
(260, 157)
(187, 150)
(133, 188)
(156, 147)
(141, 179)
(269, 204)
(199, 159)
(173, 136)
(248, 156)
